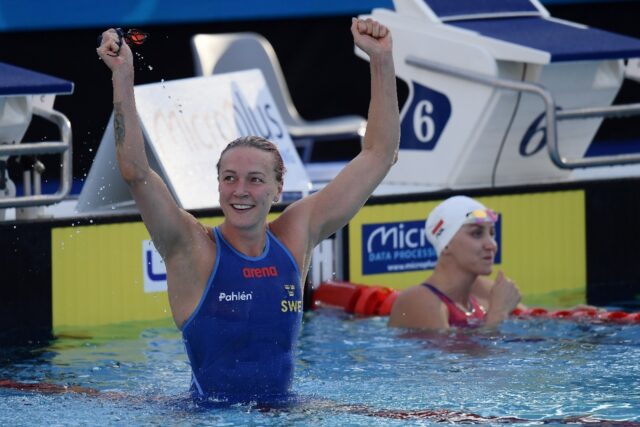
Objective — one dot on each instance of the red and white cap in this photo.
(445, 220)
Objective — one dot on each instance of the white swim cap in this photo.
(446, 219)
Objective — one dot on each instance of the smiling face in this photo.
(473, 248)
(248, 186)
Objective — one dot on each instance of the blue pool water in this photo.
(350, 371)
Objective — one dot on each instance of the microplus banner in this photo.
(401, 246)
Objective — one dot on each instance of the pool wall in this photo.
(563, 244)
(43, 287)
(541, 239)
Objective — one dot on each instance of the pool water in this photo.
(350, 371)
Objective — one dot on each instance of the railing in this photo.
(62, 147)
(551, 115)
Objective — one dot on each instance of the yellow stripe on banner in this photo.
(97, 275)
(543, 244)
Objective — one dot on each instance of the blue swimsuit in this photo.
(240, 339)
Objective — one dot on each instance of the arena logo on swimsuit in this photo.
(258, 273)
(396, 247)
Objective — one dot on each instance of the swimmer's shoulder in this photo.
(418, 295)
(197, 246)
(413, 306)
(293, 233)
(189, 238)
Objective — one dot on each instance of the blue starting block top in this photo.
(523, 23)
(564, 42)
(20, 81)
(457, 9)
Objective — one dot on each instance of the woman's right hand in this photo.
(371, 36)
(115, 53)
(504, 297)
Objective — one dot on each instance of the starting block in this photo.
(501, 93)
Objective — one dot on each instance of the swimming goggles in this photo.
(132, 37)
(479, 216)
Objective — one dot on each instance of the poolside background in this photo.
(312, 41)
(325, 78)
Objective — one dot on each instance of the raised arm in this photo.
(324, 212)
(339, 201)
(160, 213)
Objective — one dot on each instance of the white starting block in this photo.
(23, 94)
(501, 93)
(186, 125)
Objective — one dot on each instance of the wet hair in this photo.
(261, 144)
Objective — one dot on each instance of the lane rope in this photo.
(367, 300)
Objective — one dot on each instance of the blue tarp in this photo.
(31, 15)
(563, 42)
(19, 81)
(446, 8)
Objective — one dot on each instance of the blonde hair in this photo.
(261, 144)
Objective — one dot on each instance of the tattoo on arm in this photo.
(118, 124)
